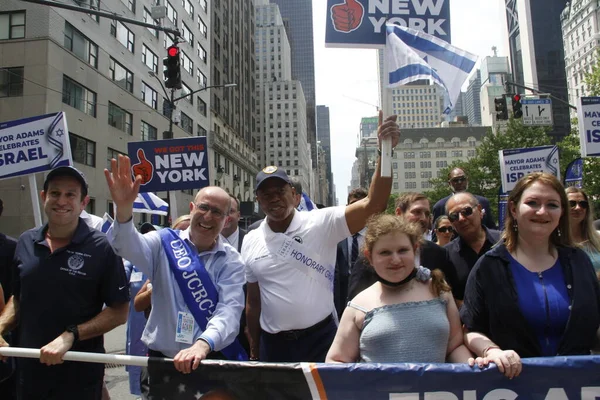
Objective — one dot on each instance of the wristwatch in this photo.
(73, 329)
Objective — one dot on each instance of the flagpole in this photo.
(35, 203)
(386, 145)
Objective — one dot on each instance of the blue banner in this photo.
(361, 23)
(173, 164)
(557, 378)
(574, 173)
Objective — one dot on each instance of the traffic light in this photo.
(516, 105)
(501, 110)
(172, 70)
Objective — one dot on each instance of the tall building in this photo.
(417, 106)
(537, 57)
(281, 131)
(368, 127)
(101, 73)
(233, 111)
(459, 107)
(298, 19)
(494, 72)
(580, 22)
(472, 100)
(324, 140)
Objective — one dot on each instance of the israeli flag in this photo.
(306, 203)
(149, 203)
(106, 223)
(412, 55)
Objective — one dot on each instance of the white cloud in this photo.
(346, 79)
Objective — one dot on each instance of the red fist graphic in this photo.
(143, 168)
(347, 16)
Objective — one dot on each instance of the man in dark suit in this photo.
(415, 208)
(231, 231)
(347, 254)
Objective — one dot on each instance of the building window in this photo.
(148, 131)
(149, 96)
(110, 154)
(185, 91)
(123, 35)
(80, 45)
(12, 25)
(187, 34)
(203, 4)
(201, 26)
(91, 206)
(83, 150)
(166, 108)
(11, 82)
(119, 118)
(147, 17)
(201, 106)
(171, 13)
(78, 96)
(188, 7)
(201, 53)
(187, 63)
(121, 75)
(201, 130)
(130, 5)
(150, 59)
(201, 78)
(187, 124)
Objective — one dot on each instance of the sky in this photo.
(346, 79)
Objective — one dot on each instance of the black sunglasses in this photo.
(465, 212)
(445, 229)
(459, 179)
(583, 204)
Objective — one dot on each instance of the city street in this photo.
(116, 378)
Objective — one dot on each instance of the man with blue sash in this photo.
(197, 278)
(290, 264)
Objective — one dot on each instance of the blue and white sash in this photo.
(187, 268)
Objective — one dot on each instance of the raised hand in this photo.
(347, 16)
(143, 168)
(388, 129)
(123, 189)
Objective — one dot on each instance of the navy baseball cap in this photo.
(67, 171)
(271, 172)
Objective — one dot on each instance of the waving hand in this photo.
(123, 190)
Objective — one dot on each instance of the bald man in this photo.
(197, 277)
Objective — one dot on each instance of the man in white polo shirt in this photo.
(290, 261)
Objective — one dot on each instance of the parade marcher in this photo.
(414, 207)
(474, 239)
(231, 231)
(347, 253)
(443, 230)
(458, 181)
(535, 295)
(582, 225)
(197, 278)
(297, 185)
(64, 273)
(409, 314)
(290, 263)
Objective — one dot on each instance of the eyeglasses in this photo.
(458, 179)
(204, 208)
(582, 204)
(445, 229)
(465, 212)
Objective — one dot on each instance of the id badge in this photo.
(185, 328)
(136, 277)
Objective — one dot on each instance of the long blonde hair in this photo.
(587, 225)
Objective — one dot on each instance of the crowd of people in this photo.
(339, 284)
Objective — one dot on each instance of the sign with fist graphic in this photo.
(361, 23)
(173, 164)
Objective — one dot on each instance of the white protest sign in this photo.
(34, 144)
(588, 114)
(516, 163)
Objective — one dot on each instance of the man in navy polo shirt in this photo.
(64, 273)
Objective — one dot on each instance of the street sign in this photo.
(537, 112)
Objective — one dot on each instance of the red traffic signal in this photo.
(172, 51)
(516, 105)
(172, 71)
(517, 97)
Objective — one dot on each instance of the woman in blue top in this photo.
(582, 225)
(535, 294)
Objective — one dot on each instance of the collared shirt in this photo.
(93, 221)
(290, 298)
(361, 241)
(463, 257)
(224, 266)
(66, 287)
(234, 238)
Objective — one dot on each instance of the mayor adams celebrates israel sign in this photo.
(361, 23)
(174, 164)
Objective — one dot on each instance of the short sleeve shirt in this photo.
(66, 287)
(290, 298)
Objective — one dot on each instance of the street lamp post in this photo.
(173, 100)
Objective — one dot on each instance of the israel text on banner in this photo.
(34, 144)
(588, 114)
(361, 23)
(149, 203)
(516, 163)
(574, 173)
(412, 55)
(173, 164)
